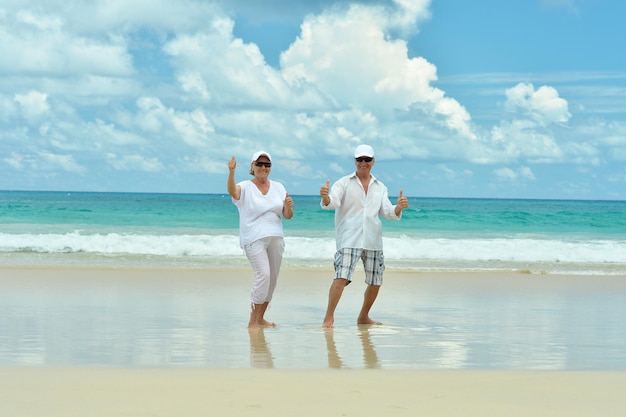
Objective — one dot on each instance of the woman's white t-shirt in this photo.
(260, 215)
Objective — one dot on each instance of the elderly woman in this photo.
(262, 204)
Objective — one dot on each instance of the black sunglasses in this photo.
(263, 164)
(364, 158)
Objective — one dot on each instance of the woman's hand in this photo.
(232, 164)
(233, 189)
(288, 207)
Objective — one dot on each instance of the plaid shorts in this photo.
(373, 261)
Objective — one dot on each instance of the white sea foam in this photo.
(415, 253)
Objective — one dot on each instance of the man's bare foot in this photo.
(368, 321)
(329, 322)
(259, 325)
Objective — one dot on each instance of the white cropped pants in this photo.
(265, 256)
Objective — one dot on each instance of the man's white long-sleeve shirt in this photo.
(357, 221)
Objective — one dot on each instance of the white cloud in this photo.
(192, 127)
(41, 22)
(193, 83)
(509, 174)
(16, 160)
(521, 139)
(527, 173)
(47, 49)
(584, 153)
(225, 69)
(542, 105)
(133, 163)
(103, 16)
(104, 134)
(33, 103)
(505, 174)
(409, 13)
(204, 164)
(8, 108)
(352, 60)
(337, 169)
(447, 172)
(63, 162)
(152, 114)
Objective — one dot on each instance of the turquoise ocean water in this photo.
(200, 230)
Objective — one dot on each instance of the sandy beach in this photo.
(201, 392)
(163, 342)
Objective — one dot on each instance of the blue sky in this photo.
(483, 98)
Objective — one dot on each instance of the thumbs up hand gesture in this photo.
(324, 189)
(403, 203)
(288, 207)
(288, 203)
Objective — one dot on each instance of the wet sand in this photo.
(156, 342)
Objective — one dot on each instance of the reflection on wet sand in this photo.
(142, 318)
(260, 355)
(370, 357)
(334, 360)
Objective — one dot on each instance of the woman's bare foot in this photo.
(329, 321)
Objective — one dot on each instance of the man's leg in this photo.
(345, 261)
(373, 261)
(371, 292)
(334, 294)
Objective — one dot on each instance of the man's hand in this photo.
(324, 193)
(403, 203)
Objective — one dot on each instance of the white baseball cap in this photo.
(258, 154)
(364, 150)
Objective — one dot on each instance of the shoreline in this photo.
(617, 280)
(242, 266)
(319, 262)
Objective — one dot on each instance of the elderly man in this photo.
(358, 199)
